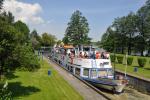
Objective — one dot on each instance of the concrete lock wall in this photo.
(138, 83)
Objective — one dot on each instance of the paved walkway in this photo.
(83, 89)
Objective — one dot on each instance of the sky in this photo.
(52, 16)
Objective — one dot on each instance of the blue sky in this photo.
(99, 13)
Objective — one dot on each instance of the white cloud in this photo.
(26, 12)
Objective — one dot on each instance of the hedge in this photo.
(129, 60)
(120, 59)
(141, 61)
(113, 58)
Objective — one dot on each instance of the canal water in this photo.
(128, 94)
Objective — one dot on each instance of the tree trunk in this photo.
(149, 52)
(129, 50)
(129, 45)
(122, 50)
(0, 68)
(141, 52)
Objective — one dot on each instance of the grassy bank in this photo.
(142, 71)
(39, 86)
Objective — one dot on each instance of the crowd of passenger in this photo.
(97, 55)
(93, 54)
(90, 55)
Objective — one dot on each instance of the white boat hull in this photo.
(113, 86)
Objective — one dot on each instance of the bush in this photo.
(113, 58)
(141, 61)
(26, 58)
(120, 59)
(129, 60)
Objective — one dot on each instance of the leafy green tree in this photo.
(24, 30)
(34, 34)
(10, 17)
(120, 33)
(35, 39)
(24, 58)
(15, 48)
(77, 30)
(48, 39)
(131, 30)
(143, 25)
(59, 42)
(107, 40)
(8, 41)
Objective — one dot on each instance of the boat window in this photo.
(86, 49)
(106, 63)
(86, 72)
(77, 71)
(71, 69)
(93, 73)
(110, 72)
(102, 73)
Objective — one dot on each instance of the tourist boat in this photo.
(89, 64)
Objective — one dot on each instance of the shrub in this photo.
(129, 60)
(26, 58)
(113, 58)
(120, 59)
(141, 61)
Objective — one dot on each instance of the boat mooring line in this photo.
(88, 84)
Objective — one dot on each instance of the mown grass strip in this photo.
(39, 86)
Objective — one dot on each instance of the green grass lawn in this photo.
(39, 86)
(130, 69)
(142, 72)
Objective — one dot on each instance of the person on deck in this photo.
(85, 55)
(93, 56)
(80, 55)
(102, 55)
(97, 55)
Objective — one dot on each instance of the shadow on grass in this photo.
(18, 90)
(147, 68)
(137, 66)
(11, 75)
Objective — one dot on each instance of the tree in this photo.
(7, 16)
(131, 30)
(33, 34)
(143, 25)
(24, 57)
(48, 39)
(108, 39)
(35, 40)
(8, 41)
(24, 30)
(10, 17)
(59, 42)
(77, 30)
(15, 47)
(120, 33)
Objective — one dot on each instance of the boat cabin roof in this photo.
(68, 47)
